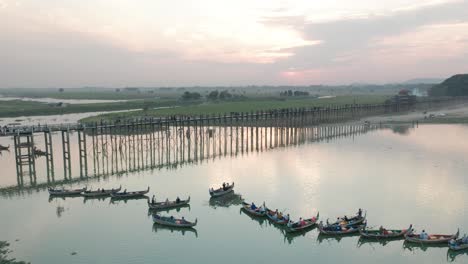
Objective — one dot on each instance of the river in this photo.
(398, 175)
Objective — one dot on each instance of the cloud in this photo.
(359, 41)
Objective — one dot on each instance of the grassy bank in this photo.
(242, 106)
(18, 108)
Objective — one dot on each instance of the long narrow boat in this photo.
(271, 216)
(307, 223)
(167, 205)
(221, 191)
(65, 192)
(255, 212)
(384, 234)
(432, 238)
(356, 220)
(100, 193)
(171, 221)
(125, 194)
(458, 244)
(336, 230)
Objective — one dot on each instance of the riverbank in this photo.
(456, 114)
(248, 105)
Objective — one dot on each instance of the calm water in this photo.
(401, 177)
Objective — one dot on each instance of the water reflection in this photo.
(167, 210)
(126, 199)
(374, 242)
(453, 255)
(290, 236)
(414, 247)
(321, 238)
(103, 152)
(160, 228)
(262, 221)
(225, 200)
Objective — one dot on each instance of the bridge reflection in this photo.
(117, 152)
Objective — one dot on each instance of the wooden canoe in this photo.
(171, 221)
(167, 205)
(336, 230)
(256, 212)
(433, 238)
(123, 195)
(270, 214)
(65, 192)
(457, 244)
(356, 220)
(296, 227)
(220, 192)
(390, 233)
(100, 193)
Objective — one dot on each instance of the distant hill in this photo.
(456, 85)
(424, 80)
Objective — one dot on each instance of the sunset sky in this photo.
(52, 43)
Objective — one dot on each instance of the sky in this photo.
(115, 43)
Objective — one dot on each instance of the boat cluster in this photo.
(342, 226)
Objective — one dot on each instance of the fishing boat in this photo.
(259, 211)
(303, 224)
(431, 239)
(273, 217)
(222, 191)
(458, 244)
(356, 220)
(100, 193)
(125, 194)
(39, 152)
(65, 192)
(168, 204)
(336, 230)
(174, 222)
(384, 233)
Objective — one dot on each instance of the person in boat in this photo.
(125, 191)
(167, 200)
(280, 215)
(171, 218)
(224, 186)
(177, 200)
(253, 207)
(275, 214)
(464, 239)
(183, 220)
(286, 217)
(381, 230)
(261, 209)
(346, 218)
(359, 213)
(302, 222)
(153, 199)
(102, 190)
(423, 235)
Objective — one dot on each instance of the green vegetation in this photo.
(3, 254)
(27, 108)
(242, 106)
(456, 85)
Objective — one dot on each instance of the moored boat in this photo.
(384, 233)
(168, 204)
(459, 244)
(257, 211)
(430, 239)
(276, 217)
(222, 191)
(4, 147)
(174, 222)
(125, 194)
(102, 192)
(336, 230)
(302, 224)
(355, 220)
(65, 192)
